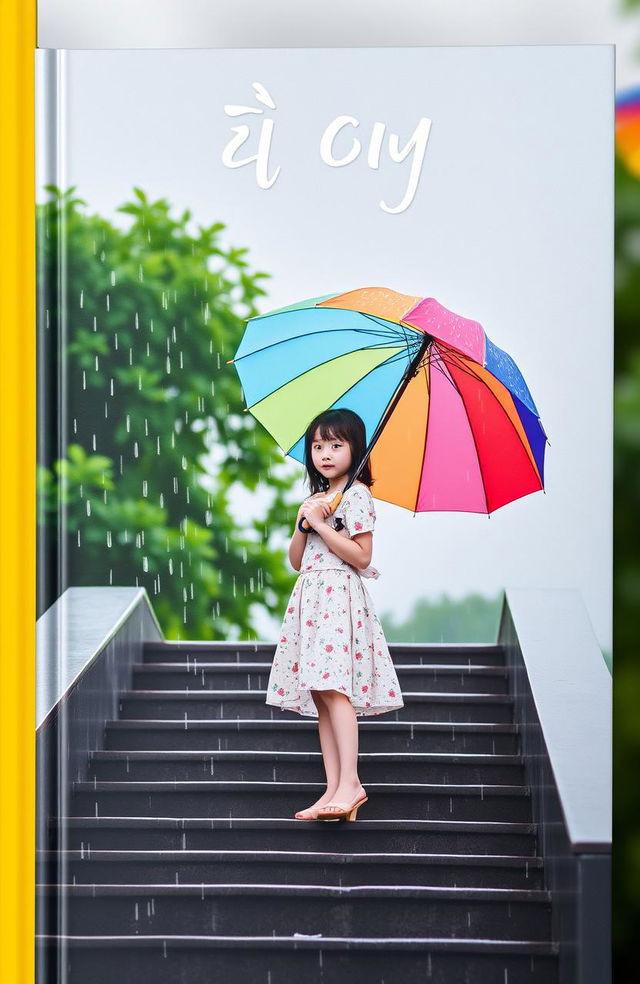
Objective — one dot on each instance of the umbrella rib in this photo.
(451, 355)
(387, 362)
(403, 324)
(375, 317)
(465, 368)
(454, 355)
(398, 336)
(328, 361)
(323, 331)
(426, 432)
(396, 396)
(484, 488)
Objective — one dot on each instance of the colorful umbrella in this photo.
(628, 128)
(450, 422)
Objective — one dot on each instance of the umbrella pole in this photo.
(412, 371)
(406, 379)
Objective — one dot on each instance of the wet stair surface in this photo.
(182, 860)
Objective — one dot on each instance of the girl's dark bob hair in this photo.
(346, 425)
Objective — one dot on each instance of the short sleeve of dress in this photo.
(359, 512)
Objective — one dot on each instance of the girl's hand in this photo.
(300, 512)
(314, 511)
(314, 498)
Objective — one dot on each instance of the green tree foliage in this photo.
(137, 468)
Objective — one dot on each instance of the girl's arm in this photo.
(299, 540)
(297, 545)
(356, 551)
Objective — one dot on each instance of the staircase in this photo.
(183, 862)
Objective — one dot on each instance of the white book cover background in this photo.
(502, 211)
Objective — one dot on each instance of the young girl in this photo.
(332, 661)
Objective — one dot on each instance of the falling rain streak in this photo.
(155, 413)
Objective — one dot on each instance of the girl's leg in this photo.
(330, 756)
(344, 725)
(329, 752)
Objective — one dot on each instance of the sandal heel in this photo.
(354, 813)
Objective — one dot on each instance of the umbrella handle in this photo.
(305, 527)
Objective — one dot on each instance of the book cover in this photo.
(325, 363)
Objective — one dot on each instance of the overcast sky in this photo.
(510, 226)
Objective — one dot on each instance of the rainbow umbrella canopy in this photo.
(628, 128)
(450, 422)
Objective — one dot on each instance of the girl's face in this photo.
(331, 457)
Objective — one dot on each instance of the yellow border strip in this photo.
(17, 489)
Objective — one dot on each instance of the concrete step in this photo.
(301, 734)
(148, 867)
(229, 704)
(397, 910)
(184, 835)
(245, 833)
(281, 799)
(200, 675)
(259, 765)
(280, 959)
(458, 654)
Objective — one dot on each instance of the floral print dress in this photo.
(331, 637)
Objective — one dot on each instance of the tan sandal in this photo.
(314, 816)
(345, 810)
